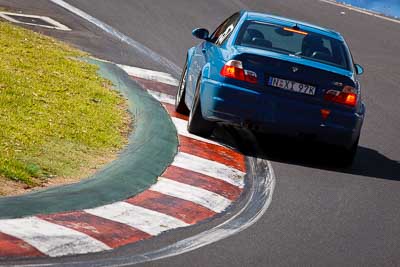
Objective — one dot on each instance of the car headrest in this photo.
(321, 55)
(250, 34)
(261, 42)
(312, 43)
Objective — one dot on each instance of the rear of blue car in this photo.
(267, 108)
(280, 76)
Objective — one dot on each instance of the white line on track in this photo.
(51, 239)
(360, 10)
(150, 75)
(56, 25)
(149, 221)
(210, 168)
(181, 127)
(193, 194)
(120, 36)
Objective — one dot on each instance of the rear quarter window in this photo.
(223, 31)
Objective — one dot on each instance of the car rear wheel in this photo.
(180, 105)
(197, 124)
(347, 155)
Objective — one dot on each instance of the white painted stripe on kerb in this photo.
(161, 97)
(181, 127)
(193, 194)
(150, 75)
(210, 168)
(149, 221)
(360, 10)
(51, 239)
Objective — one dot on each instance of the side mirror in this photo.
(359, 69)
(201, 33)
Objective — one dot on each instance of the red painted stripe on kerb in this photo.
(205, 150)
(155, 86)
(171, 111)
(184, 210)
(111, 233)
(212, 152)
(211, 184)
(14, 247)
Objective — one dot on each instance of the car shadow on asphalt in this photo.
(368, 162)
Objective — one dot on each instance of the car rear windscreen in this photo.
(294, 41)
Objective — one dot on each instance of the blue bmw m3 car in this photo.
(274, 74)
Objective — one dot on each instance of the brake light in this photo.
(295, 31)
(348, 96)
(234, 69)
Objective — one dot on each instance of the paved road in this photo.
(320, 215)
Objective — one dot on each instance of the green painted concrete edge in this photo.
(152, 147)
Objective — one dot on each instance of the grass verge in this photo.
(58, 118)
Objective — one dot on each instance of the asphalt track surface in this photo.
(320, 215)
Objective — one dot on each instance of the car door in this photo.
(207, 51)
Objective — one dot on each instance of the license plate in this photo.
(292, 86)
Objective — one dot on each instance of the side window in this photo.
(225, 29)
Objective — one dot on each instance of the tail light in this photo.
(234, 69)
(348, 96)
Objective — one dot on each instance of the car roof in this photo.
(263, 17)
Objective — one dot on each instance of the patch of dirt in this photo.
(11, 188)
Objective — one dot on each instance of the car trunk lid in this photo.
(269, 65)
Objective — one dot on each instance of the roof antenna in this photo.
(296, 27)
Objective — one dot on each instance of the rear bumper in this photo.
(272, 113)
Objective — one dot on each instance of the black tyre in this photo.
(347, 155)
(197, 124)
(180, 105)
